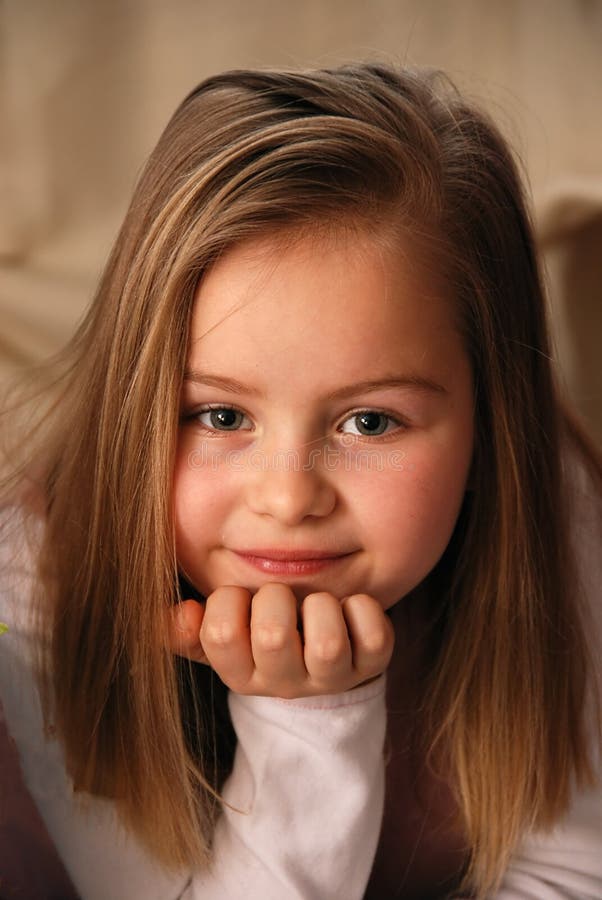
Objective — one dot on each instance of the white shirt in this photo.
(305, 797)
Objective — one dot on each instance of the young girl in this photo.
(308, 434)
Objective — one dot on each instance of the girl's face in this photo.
(327, 421)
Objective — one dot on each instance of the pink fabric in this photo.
(30, 868)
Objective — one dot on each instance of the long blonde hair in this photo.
(246, 153)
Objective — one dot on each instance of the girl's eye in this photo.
(222, 418)
(369, 423)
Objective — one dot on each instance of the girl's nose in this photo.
(289, 489)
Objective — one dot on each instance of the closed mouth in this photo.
(290, 562)
(292, 555)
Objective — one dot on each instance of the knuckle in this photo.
(376, 642)
(220, 633)
(329, 649)
(271, 636)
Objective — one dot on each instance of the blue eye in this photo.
(369, 423)
(221, 418)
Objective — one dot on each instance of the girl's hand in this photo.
(262, 645)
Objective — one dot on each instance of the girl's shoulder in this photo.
(20, 644)
(20, 537)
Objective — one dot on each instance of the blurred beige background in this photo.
(87, 85)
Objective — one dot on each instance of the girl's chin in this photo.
(300, 585)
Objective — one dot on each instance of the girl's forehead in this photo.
(317, 264)
(339, 306)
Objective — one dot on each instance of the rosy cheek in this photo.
(427, 481)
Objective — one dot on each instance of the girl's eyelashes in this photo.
(222, 418)
(362, 423)
(370, 423)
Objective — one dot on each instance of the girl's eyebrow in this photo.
(412, 381)
(415, 382)
(227, 384)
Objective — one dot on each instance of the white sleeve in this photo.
(305, 795)
(305, 799)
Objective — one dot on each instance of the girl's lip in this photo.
(290, 562)
(294, 555)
